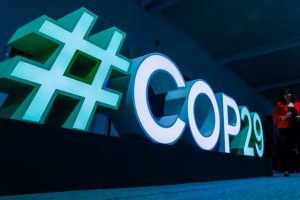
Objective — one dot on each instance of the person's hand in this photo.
(287, 116)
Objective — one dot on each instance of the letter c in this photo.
(153, 129)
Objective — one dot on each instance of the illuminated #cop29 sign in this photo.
(64, 61)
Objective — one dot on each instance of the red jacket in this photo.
(282, 109)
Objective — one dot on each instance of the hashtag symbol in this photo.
(53, 77)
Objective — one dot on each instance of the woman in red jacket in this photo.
(286, 113)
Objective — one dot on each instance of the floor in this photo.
(276, 187)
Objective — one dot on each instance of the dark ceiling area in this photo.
(257, 39)
(277, 67)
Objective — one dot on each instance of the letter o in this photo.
(206, 143)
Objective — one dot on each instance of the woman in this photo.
(286, 113)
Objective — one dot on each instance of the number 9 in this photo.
(258, 132)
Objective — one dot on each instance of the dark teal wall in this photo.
(142, 30)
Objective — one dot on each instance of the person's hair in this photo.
(283, 92)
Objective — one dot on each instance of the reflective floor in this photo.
(276, 187)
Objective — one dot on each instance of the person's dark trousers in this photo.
(286, 149)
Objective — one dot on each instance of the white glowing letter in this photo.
(205, 142)
(153, 129)
(232, 122)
